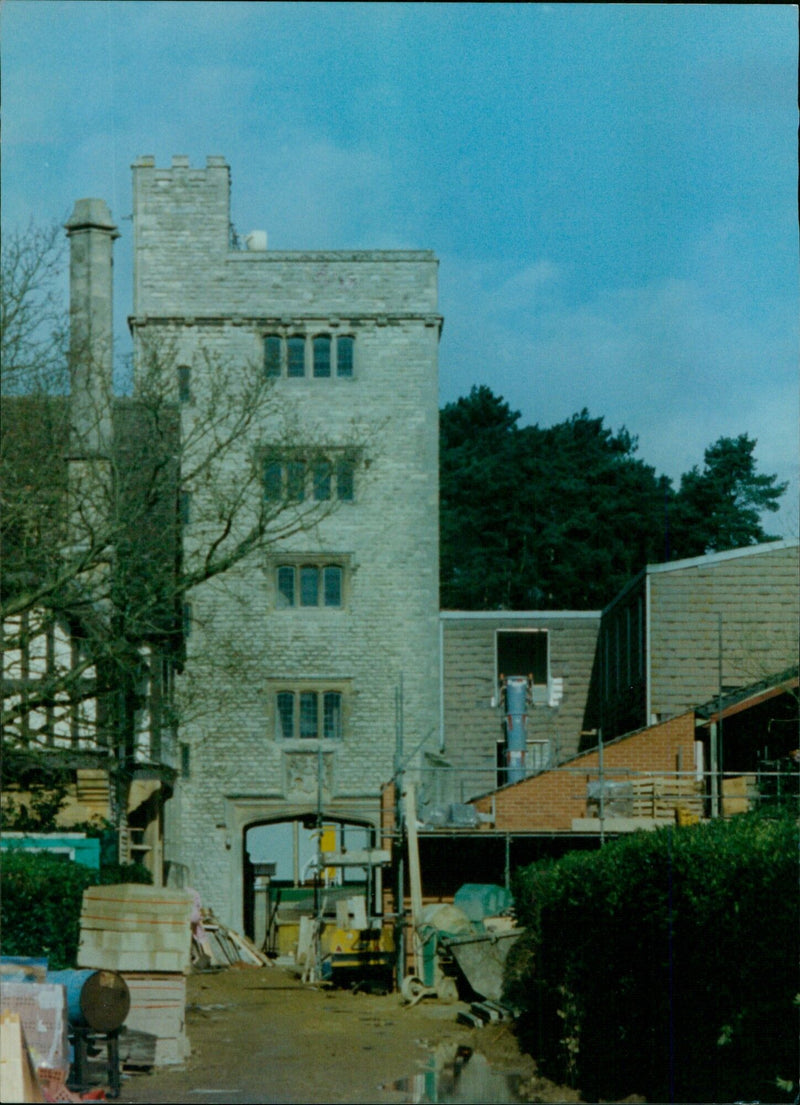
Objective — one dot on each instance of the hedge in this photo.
(40, 905)
(665, 964)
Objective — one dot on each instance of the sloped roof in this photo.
(707, 560)
(743, 698)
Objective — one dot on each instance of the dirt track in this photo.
(259, 1035)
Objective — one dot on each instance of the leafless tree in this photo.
(98, 558)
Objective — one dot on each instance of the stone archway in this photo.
(279, 863)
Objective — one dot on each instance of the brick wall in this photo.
(550, 801)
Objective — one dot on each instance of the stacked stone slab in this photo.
(144, 932)
(158, 1008)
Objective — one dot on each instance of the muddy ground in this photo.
(260, 1035)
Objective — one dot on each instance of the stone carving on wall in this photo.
(304, 774)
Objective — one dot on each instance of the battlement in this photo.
(186, 261)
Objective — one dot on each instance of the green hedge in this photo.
(40, 905)
(665, 964)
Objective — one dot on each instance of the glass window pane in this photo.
(286, 714)
(309, 727)
(309, 586)
(296, 360)
(332, 576)
(332, 720)
(285, 586)
(322, 356)
(322, 481)
(344, 356)
(296, 481)
(272, 480)
(272, 355)
(344, 480)
(184, 383)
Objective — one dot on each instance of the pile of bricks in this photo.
(144, 932)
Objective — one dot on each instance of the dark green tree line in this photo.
(562, 517)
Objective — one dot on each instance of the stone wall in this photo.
(472, 726)
(756, 593)
(212, 307)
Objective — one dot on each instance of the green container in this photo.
(481, 900)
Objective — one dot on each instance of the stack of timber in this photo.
(739, 794)
(662, 796)
(18, 1078)
(144, 932)
(642, 803)
(231, 949)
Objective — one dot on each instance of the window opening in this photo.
(286, 714)
(309, 727)
(332, 576)
(309, 586)
(309, 715)
(272, 355)
(332, 715)
(322, 356)
(344, 356)
(295, 480)
(286, 575)
(296, 359)
(523, 652)
(345, 480)
(184, 383)
(322, 481)
(273, 482)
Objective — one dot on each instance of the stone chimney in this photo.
(91, 234)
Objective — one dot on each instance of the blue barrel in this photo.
(96, 999)
(516, 700)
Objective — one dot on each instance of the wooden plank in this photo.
(18, 1081)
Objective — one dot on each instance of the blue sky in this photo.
(611, 189)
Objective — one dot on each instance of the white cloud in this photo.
(671, 361)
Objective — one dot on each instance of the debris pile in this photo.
(226, 948)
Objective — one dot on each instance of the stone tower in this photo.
(295, 660)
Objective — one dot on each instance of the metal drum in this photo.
(96, 999)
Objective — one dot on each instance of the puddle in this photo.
(226, 1091)
(460, 1076)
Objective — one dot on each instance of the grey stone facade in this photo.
(248, 645)
(561, 650)
(670, 635)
